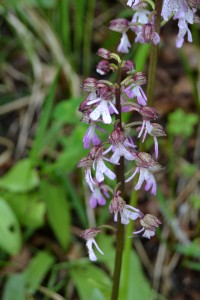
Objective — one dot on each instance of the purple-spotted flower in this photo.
(149, 225)
(99, 194)
(127, 212)
(184, 13)
(146, 166)
(105, 99)
(101, 170)
(119, 146)
(147, 34)
(89, 235)
(122, 26)
(135, 89)
(153, 129)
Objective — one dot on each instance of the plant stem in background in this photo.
(120, 227)
(154, 55)
(87, 39)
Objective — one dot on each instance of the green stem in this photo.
(154, 55)
(127, 249)
(120, 227)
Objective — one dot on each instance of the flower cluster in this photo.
(105, 153)
(143, 21)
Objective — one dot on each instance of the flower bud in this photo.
(150, 222)
(129, 66)
(103, 67)
(119, 25)
(139, 78)
(89, 84)
(90, 233)
(148, 32)
(148, 113)
(102, 52)
(117, 136)
(117, 204)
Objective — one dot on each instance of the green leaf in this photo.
(72, 153)
(39, 3)
(10, 237)
(15, 288)
(191, 250)
(176, 121)
(37, 270)
(91, 282)
(137, 284)
(57, 211)
(20, 178)
(29, 208)
(67, 111)
(38, 143)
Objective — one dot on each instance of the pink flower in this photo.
(98, 195)
(89, 235)
(127, 212)
(135, 90)
(91, 136)
(119, 144)
(101, 170)
(150, 223)
(146, 166)
(104, 101)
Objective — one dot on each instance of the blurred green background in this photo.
(47, 48)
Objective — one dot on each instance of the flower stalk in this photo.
(120, 179)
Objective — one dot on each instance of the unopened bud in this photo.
(150, 222)
(119, 25)
(104, 53)
(128, 66)
(90, 233)
(89, 84)
(103, 67)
